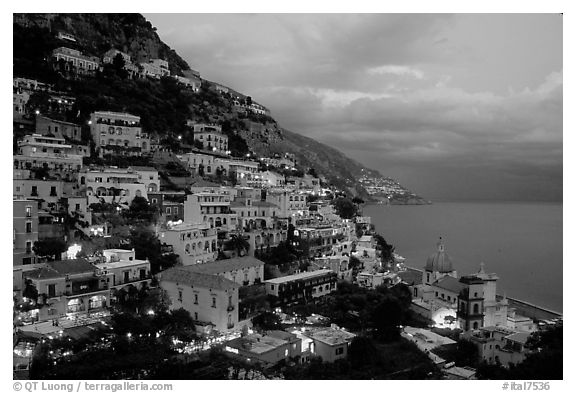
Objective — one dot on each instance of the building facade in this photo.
(118, 132)
(208, 298)
(193, 243)
(301, 287)
(25, 231)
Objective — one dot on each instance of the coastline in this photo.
(523, 307)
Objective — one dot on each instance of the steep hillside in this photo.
(163, 105)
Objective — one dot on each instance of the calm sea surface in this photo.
(521, 242)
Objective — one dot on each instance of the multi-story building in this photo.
(25, 231)
(267, 348)
(200, 163)
(301, 287)
(110, 184)
(19, 100)
(30, 85)
(69, 287)
(477, 303)
(498, 345)
(320, 239)
(192, 83)
(240, 168)
(155, 68)
(291, 203)
(59, 129)
(330, 344)
(210, 135)
(122, 269)
(149, 177)
(338, 264)
(118, 132)
(109, 56)
(261, 240)
(38, 151)
(212, 208)
(193, 243)
(47, 193)
(76, 61)
(208, 298)
(255, 214)
(242, 270)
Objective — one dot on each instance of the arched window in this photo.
(187, 248)
(475, 325)
(475, 309)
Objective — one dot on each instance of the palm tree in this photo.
(238, 243)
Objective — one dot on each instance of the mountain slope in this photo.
(162, 105)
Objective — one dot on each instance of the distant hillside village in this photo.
(229, 263)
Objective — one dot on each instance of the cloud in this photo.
(396, 70)
(418, 96)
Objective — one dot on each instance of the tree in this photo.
(140, 210)
(386, 249)
(147, 246)
(345, 208)
(357, 200)
(118, 64)
(239, 244)
(30, 291)
(267, 321)
(362, 351)
(50, 249)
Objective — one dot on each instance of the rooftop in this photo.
(330, 336)
(121, 264)
(144, 168)
(450, 283)
(519, 337)
(259, 343)
(224, 265)
(188, 227)
(180, 275)
(300, 276)
(61, 269)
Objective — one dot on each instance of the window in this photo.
(214, 302)
(168, 210)
(34, 191)
(196, 316)
(28, 208)
(339, 351)
(180, 296)
(28, 247)
(196, 299)
(29, 227)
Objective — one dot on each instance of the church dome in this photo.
(440, 261)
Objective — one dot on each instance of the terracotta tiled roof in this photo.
(224, 265)
(61, 269)
(184, 276)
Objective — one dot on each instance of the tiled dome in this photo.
(440, 261)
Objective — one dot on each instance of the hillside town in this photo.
(186, 258)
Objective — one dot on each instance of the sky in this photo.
(453, 106)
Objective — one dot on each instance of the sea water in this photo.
(520, 242)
